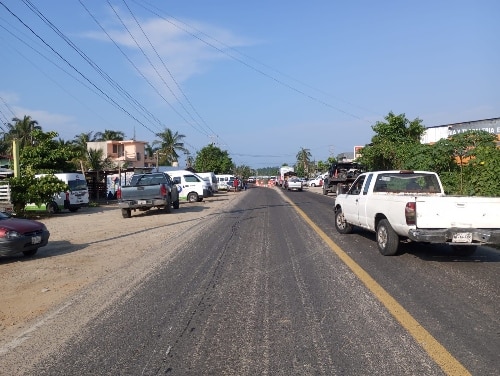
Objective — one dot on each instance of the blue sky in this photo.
(260, 79)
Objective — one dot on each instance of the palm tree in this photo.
(22, 129)
(109, 135)
(80, 143)
(303, 159)
(169, 144)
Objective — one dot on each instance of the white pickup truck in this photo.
(411, 205)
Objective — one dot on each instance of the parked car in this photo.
(316, 182)
(294, 183)
(21, 236)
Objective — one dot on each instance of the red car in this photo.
(21, 236)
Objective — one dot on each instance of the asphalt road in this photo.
(261, 292)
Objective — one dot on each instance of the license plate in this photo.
(141, 202)
(462, 237)
(36, 239)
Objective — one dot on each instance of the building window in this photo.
(118, 150)
(138, 156)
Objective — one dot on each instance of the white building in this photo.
(434, 134)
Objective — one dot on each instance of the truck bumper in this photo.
(477, 236)
(137, 204)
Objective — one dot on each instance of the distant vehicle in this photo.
(340, 176)
(294, 183)
(230, 184)
(212, 179)
(21, 236)
(222, 181)
(285, 172)
(316, 182)
(192, 186)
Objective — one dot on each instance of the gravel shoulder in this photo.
(92, 248)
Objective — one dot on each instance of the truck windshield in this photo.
(77, 185)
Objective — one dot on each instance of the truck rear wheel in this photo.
(175, 204)
(168, 206)
(387, 239)
(192, 197)
(341, 225)
(126, 213)
(325, 189)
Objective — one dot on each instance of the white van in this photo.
(73, 199)
(211, 178)
(223, 179)
(192, 188)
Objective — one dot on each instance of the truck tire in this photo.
(387, 239)
(341, 225)
(192, 197)
(325, 189)
(126, 213)
(175, 204)
(168, 207)
(464, 250)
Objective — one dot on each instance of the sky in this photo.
(260, 79)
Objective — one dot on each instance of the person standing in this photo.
(235, 184)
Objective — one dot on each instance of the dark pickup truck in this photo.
(146, 191)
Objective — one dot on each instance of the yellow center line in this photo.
(449, 364)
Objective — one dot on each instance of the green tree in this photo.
(212, 158)
(28, 189)
(46, 155)
(109, 135)
(464, 147)
(168, 146)
(393, 144)
(303, 161)
(242, 171)
(22, 130)
(482, 172)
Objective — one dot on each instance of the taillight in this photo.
(163, 190)
(67, 196)
(119, 193)
(411, 213)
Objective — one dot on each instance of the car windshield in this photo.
(4, 216)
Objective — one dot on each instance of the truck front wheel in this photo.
(341, 224)
(192, 197)
(387, 239)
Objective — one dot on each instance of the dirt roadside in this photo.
(85, 247)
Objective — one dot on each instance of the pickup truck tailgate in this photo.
(456, 211)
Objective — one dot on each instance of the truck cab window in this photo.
(356, 186)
